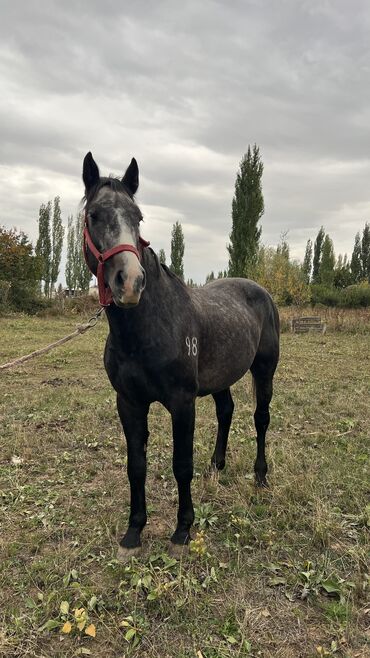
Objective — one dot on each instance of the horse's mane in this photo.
(172, 275)
(161, 267)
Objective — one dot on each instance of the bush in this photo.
(323, 295)
(20, 273)
(82, 304)
(4, 295)
(355, 296)
(25, 298)
(281, 277)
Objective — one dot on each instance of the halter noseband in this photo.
(105, 293)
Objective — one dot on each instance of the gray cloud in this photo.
(185, 88)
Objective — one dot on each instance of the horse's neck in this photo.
(130, 326)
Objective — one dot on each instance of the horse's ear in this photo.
(90, 172)
(131, 177)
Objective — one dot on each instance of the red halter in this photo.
(105, 293)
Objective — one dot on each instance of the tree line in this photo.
(321, 267)
(49, 244)
(26, 274)
(320, 278)
(49, 249)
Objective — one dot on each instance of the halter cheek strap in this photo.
(105, 293)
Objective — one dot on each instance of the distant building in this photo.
(70, 292)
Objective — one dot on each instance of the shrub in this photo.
(82, 304)
(356, 296)
(25, 298)
(4, 295)
(281, 277)
(19, 272)
(323, 295)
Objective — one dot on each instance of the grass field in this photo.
(280, 573)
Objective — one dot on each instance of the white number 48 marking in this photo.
(192, 345)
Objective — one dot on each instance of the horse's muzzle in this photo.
(127, 290)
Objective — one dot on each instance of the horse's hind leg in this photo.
(224, 411)
(263, 375)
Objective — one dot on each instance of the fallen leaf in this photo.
(67, 627)
(90, 630)
(78, 612)
(64, 608)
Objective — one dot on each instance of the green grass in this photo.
(277, 573)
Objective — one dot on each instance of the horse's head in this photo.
(112, 220)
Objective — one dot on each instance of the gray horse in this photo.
(170, 343)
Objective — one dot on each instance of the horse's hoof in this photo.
(211, 472)
(125, 554)
(261, 483)
(217, 465)
(178, 551)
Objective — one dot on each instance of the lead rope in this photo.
(81, 328)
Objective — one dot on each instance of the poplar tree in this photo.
(70, 271)
(77, 273)
(247, 210)
(307, 262)
(83, 274)
(177, 250)
(43, 246)
(162, 256)
(57, 235)
(317, 251)
(326, 271)
(356, 265)
(365, 253)
(342, 272)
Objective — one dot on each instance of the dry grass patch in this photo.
(277, 573)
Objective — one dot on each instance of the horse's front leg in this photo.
(134, 419)
(183, 418)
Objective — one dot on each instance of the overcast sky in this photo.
(185, 87)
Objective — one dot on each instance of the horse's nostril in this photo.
(139, 284)
(144, 280)
(119, 279)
